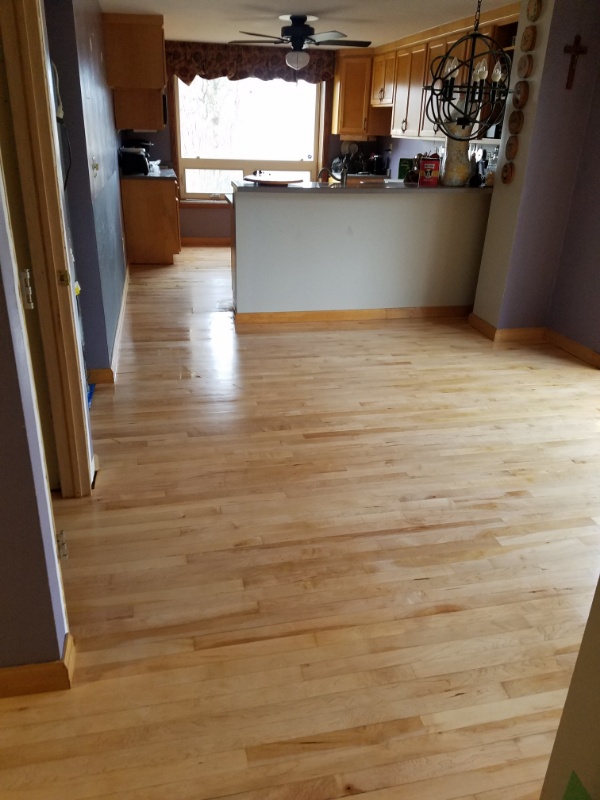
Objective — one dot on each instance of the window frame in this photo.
(247, 166)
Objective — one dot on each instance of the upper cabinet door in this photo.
(353, 95)
(408, 93)
(382, 83)
(436, 48)
(134, 51)
(399, 114)
(415, 90)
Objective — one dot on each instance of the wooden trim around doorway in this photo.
(31, 108)
(51, 676)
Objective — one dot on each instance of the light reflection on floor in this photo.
(223, 345)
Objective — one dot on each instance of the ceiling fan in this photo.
(300, 35)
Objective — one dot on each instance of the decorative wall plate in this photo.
(515, 121)
(525, 66)
(512, 147)
(520, 94)
(534, 9)
(528, 38)
(508, 172)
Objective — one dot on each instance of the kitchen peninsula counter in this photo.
(322, 251)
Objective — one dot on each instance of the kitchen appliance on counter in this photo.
(134, 161)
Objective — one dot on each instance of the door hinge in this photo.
(64, 278)
(26, 288)
(61, 545)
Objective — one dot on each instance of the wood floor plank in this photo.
(319, 560)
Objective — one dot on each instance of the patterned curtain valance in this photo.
(235, 61)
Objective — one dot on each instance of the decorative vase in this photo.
(456, 170)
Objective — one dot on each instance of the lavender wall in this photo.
(550, 180)
(576, 298)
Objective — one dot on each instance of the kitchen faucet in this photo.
(342, 180)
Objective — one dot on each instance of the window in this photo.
(228, 129)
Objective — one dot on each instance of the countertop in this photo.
(384, 186)
(164, 173)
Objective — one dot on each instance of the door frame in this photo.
(29, 80)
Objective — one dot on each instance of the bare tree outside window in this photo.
(228, 128)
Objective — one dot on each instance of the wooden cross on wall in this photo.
(574, 50)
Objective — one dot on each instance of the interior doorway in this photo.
(34, 189)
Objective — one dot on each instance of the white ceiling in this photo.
(378, 21)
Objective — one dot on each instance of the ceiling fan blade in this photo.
(262, 35)
(345, 43)
(327, 35)
(255, 42)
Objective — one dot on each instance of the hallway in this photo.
(318, 561)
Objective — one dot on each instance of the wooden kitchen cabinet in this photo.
(139, 109)
(151, 219)
(134, 51)
(382, 81)
(408, 91)
(353, 115)
(436, 48)
(134, 54)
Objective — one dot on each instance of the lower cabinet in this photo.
(151, 219)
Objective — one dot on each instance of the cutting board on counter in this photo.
(273, 178)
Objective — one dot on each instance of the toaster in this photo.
(134, 161)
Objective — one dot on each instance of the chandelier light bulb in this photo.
(497, 74)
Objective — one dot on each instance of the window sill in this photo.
(204, 203)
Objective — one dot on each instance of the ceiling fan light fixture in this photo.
(297, 59)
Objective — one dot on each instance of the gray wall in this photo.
(93, 197)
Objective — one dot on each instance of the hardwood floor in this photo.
(318, 561)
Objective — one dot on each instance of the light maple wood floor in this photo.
(318, 562)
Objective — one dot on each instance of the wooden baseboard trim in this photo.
(536, 336)
(580, 351)
(523, 335)
(482, 326)
(351, 314)
(224, 241)
(51, 676)
(101, 375)
(109, 374)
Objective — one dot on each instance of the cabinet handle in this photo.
(365, 123)
(403, 126)
(436, 127)
(381, 94)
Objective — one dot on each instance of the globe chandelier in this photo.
(469, 86)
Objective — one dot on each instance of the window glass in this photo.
(247, 119)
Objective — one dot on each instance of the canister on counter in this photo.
(429, 170)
